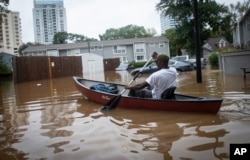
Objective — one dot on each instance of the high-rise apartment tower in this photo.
(10, 33)
(166, 23)
(49, 17)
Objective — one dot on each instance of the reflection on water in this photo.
(49, 119)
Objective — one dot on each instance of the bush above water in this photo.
(213, 59)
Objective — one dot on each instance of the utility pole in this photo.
(197, 43)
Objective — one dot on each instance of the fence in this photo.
(37, 68)
(43, 67)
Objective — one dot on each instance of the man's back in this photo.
(161, 80)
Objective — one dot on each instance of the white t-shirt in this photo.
(161, 80)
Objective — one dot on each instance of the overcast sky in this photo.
(93, 17)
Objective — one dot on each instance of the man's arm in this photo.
(137, 86)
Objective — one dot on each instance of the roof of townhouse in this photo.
(213, 42)
(95, 43)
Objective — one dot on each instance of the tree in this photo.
(76, 38)
(60, 38)
(173, 41)
(238, 10)
(214, 20)
(64, 37)
(129, 31)
(3, 9)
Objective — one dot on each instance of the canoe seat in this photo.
(169, 93)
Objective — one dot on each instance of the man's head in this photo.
(162, 61)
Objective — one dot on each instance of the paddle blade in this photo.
(111, 104)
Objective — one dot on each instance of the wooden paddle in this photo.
(114, 101)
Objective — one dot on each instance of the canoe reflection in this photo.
(159, 131)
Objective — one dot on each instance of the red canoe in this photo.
(181, 103)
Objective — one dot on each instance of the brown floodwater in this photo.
(49, 119)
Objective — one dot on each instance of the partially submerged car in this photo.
(178, 65)
(193, 61)
(186, 59)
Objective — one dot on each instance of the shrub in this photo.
(138, 64)
(4, 69)
(213, 59)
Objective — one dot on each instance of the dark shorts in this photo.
(142, 93)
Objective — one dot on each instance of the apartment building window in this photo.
(151, 44)
(222, 44)
(119, 49)
(140, 58)
(139, 47)
(99, 47)
(73, 52)
(52, 53)
(161, 45)
(92, 48)
(39, 53)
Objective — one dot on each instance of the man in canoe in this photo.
(159, 81)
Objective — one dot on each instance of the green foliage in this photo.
(4, 69)
(63, 37)
(214, 20)
(138, 64)
(77, 38)
(175, 47)
(238, 10)
(129, 31)
(213, 59)
(60, 38)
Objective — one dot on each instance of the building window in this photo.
(92, 48)
(99, 48)
(73, 52)
(140, 58)
(161, 45)
(119, 49)
(39, 53)
(222, 44)
(52, 53)
(139, 47)
(151, 44)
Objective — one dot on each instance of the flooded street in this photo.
(50, 119)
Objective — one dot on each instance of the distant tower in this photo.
(10, 33)
(49, 17)
(166, 23)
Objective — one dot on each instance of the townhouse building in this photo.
(214, 45)
(127, 50)
(241, 32)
